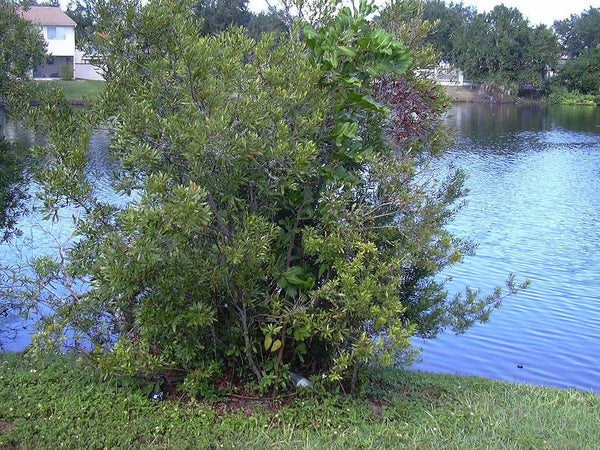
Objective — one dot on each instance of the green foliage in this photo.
(580, 36)
(22, 47)
(583, 73)
(450, 24)
(280, 214)
(405, 20)
(266, 22)
(218, 15)
(82, 14)
(13, 182)
(501, 44)
(498, 46)
(66, 72)
(562, 96)
(580, 32)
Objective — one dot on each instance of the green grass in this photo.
(60, 402)
(76, 90)
(563, 97)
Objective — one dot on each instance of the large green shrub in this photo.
(280, 215)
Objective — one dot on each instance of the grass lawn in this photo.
(61, 402)
(76, 90)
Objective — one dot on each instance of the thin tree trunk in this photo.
(354, 377)
(248, 349)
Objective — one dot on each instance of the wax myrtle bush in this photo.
(275, 208)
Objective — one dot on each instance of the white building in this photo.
(84, 69)
(445, 74)
(58, 30)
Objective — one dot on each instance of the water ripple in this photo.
(534, 209)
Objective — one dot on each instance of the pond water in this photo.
(533, 207)
(43, 237)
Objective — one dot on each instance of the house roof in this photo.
(46, 15)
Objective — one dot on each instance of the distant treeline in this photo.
(501, 46)
(497, 47)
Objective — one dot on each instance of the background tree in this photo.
(580, 32)
(21, 48)
(580, 37)
(451, 21)
(583, 73)
(82, 14)
(500, 46)
(218, 15)
(266, 22)
(278, 212)
(543, 54)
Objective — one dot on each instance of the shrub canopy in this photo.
(280, 210)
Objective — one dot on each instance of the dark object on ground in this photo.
(157, 393)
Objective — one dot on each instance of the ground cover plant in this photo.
(57, 401)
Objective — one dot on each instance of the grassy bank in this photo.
(469, 94)
(77, 91)
(465, 94)
(61, 402)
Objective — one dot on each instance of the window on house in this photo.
(57, 33)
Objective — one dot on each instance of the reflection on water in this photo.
(43, 237)
(13, 131)
(487, 121)
(12, 328)
(533, 207)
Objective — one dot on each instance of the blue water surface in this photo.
(533, 208)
